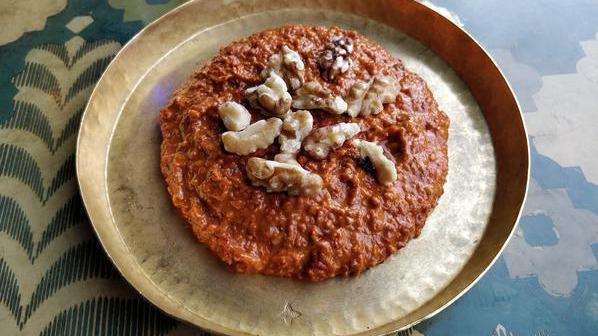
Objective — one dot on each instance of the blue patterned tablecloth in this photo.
(56, 280)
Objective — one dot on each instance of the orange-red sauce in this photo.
(355, 223)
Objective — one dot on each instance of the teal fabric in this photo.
(56, 280)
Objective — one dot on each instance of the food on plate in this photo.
(321, 141)
(258, 135)
(313, 96)
(386, 170)
(296, 126)
(304, 151)
(235, 116)
(271, 98)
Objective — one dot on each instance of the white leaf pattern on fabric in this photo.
(555, 266)
(20, 17)
(141, 10)
(42, 221)
(567, 115)
(500, 330)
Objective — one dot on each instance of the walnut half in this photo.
(258, 135)
(319, 143)
(335, 59)
(270, 98)
(313, 96)
(369, 97)
(234, 116)
(286, 158)
(280, 177)
(288, 65)
(295, 127)
(386, 171)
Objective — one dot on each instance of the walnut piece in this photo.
(313, 95)
(319, 143)
(258, 135)
(288, 65)
(279, 177)
(289, 158)
(270, 98)
(386, 171)
(234, 116)
(367, 98)
(295, 128)
(335, 59)
(355, 97)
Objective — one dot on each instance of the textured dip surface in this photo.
(355, 222)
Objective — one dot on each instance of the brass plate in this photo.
(127, 202)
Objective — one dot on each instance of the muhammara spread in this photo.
(305, 152)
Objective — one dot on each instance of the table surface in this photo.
(55, 279)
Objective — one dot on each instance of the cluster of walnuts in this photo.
(294, 129)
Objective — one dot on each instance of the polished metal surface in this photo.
(118, 155)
